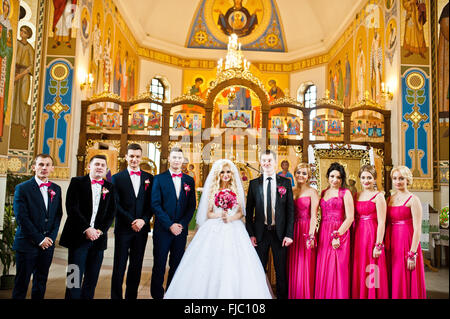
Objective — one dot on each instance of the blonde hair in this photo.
(304, 165)
(216, 183)
(405, 172)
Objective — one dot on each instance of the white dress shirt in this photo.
(176, 182)
(96, 195)
(273, 184)
(44, 193)
(135, 180)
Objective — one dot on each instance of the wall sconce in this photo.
(386, 91)
(88, 81)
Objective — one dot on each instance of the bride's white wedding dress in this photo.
(220, 263)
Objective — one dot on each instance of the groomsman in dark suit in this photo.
(90, 206)
(38, 211)
(133, 190)
(173, 202)
(270, 218)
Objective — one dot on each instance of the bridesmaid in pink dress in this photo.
(406, 272)
(369, 274)
(302, 252)
(333, 255)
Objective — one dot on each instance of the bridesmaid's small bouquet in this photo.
(443, 217)
(225, 199)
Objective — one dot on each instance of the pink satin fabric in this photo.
(369, 275)
(332, 265)
(404, 284)
(301, 261)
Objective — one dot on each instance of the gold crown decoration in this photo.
(145, 96)
(327, 100)
(188, 97)
(235, 66)
(105, 94)
(366, 101)
(286, 100)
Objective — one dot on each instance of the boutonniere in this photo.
(52, 194)
(187, 188)
(281, 190)
(147, 183)
(104, 192)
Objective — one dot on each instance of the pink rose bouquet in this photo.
(225, 199)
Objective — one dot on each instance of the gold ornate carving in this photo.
(337, 153)
(298, 153)
(187, 97)
(90, 143)
(422, 184)
(60, 173)
(105, 94)
(146, 95)
(328, 101)
(286, 100)
(238, 73)
(3, 165)
(14, 164)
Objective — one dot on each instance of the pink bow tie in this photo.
(101, 182)
(177, 175)
(138, 173)
(45, 184)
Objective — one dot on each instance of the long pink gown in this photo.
(369, 275)
(404, 283)
(332, 265)
(301, 261)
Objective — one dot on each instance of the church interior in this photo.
(316, 81)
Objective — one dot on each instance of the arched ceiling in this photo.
(310, 26)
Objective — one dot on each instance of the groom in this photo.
(270, 218)
(173, 202)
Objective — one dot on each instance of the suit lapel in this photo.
(102, 203)
(261, 190)
(38, 194)
(141, 185)
(279, 183)
(182, 191)
(87, 189)
(127, 179)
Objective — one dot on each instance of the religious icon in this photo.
(275, 92)
(236, 119)
(414, 36)
(237, 20)
(334, 127)
(22, 80)
(154, 120)
(63, 15)
(318, 127)
(6, 53)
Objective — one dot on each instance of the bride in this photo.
(220, 262)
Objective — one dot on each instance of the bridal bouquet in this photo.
(225, 199)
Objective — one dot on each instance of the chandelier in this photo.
(234, 58)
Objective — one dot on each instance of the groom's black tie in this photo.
(269, 202)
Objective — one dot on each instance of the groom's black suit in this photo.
(267, 236)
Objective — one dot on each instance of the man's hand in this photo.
(253, 240)
(176, 229)
(137, 225)
(92, 234)
(286, 242)
(48, 242)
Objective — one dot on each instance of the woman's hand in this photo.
(336, 243)
(225, 217)
(376, 252)
(411, 264)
